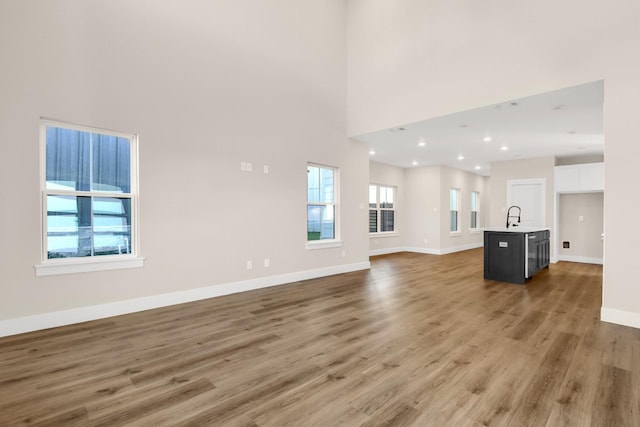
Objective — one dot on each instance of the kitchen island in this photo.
(515, 254)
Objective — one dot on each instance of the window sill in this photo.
(455, 233)
(475, 230)
(70, 266)
(383, 234)
(323, 244)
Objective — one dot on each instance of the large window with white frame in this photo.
(322, 206)
(89, 193)
(382, 209)
(475, 209)
(454, 210)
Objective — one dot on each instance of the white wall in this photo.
(502, 172)
(423, 206)
(427, 209)
(412, 60)
(466, 182)
(206, 85)
(383, 174)
(581, 224)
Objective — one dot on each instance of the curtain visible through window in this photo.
(88, 193)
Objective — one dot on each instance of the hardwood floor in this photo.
(417, 340)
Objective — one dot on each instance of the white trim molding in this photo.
(444, 251)
(581, 259)
(385, 251)
(72, 265)
(619, 317)
(323, 244)
(419, 250)
(36, 322)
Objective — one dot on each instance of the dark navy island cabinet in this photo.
(513, 255)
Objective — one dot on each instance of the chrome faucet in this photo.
(513, 216)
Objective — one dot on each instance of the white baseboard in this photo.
(461, 248)
(386, 251)
(83, 314)
(444, 251)
(582, 259)
(419, 250)
(619, 317)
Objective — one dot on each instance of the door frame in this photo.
(541, 182)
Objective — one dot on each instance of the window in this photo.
(475, 207)
(454, 208)
(321, 203)
(381, 209)
(88, 194)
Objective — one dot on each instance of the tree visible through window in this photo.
(88, 192)
(321, 202)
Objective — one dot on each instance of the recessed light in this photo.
(486, 139)
(422, 143)
(504, 148)
(372, 152)
(477, 167)
(460, 157)
(414, 163)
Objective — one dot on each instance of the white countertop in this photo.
(519, 229)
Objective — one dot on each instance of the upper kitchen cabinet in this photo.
(579, 178)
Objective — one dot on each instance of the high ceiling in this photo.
(563, 123)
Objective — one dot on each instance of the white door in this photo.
(529, 195)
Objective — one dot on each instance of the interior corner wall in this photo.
(423, 206)
(485, 203)
(410, 61)
(466, 182)
(580, 223)
(206, 85)
(383, 174)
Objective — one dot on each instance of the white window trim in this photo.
(458, 230)
(477, 229)
(48, 267)
(374, 234)
(336, 242)
(71, 265)
(383, 234)
(323, 244)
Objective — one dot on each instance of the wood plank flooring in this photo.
(418, 340)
